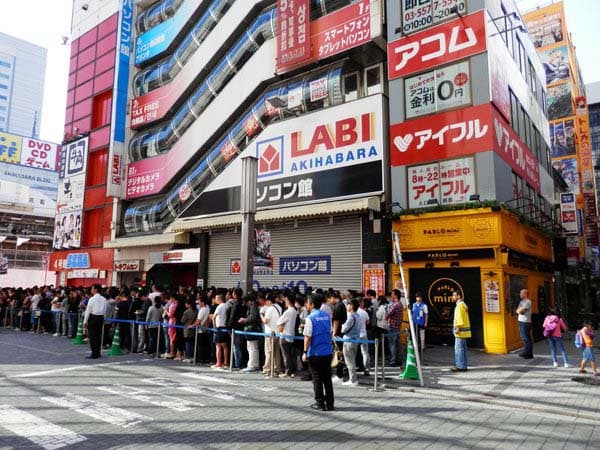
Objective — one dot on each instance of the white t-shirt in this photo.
(364, 318)
(34, 302)
(203, 314)
(221, 315)
(288, 320)
(272, 314)
(526, 317)
(326, 308)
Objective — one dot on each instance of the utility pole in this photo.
(248, 211)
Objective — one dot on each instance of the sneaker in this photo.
(216, 366)
(555, 364)
(187, 360)
(568, 365)
(335, 379)
(318, 406)
(582, 371)
(249, 370)
(55, 334)
(350, 383)
(366, 373)
(283, 375)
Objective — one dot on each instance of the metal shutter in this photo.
(340, 239)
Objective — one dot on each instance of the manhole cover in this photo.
(587, 380)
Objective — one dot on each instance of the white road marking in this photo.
(258, 387)
(98, 410)
(154, 398)
(67, 369)
(194, 389)
(37, 430)
(39, 349)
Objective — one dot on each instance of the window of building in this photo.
(374, 79)
(351, 85)
(2, 119)
(101, 109)
(2, 108)
(4, 76)
(5, 64)
(42, 201)
(3, 86)
(31, 200)
(3, 97)
(97, 167)
(92, 232)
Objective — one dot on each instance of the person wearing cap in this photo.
(420, 315)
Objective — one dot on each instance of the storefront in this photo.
(486, 254)
(83, 268)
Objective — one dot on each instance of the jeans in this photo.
(554, 342)
(320, 368)
(350, 350)
(141, 343)
(57, 316)
(73, 324)
(238, 351)
(393, 345)
(525, 331)
(460, 352)
(189, 347)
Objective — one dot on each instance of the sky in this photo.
(44, 22)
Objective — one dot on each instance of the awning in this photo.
(273, 215)
(152, 239)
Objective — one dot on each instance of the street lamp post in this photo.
(248, 211)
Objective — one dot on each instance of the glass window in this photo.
(5, 64)
(351, 87)
(4, 76)
(374, 79)
(3, 86)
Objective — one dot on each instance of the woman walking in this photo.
(553, 328)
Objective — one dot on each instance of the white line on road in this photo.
(66, 369)
(98, 410)
(258, 387)
(154, 398)
(194, 389)
(39, 349)
(37, 430)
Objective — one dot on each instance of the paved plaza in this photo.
(52, 397)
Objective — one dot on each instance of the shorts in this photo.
(221, 336)
(588, 354)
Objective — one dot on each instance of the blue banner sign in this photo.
(306, 265)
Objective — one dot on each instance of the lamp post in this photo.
(248, 211)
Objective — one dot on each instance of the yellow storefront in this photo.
(488, 255)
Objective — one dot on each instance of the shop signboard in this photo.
(305, 265)
(568, 212)
(438, 45)
(39, 154)
(77, 261)
(33, 190)
(73, 157)
(129, 265)
(10, 148)
(70, 194)
(374, 278)
(560, 101)
(419, 14)
(185, 255)
(323, 156)
(67, 230)
(82, 273)
(293, 37)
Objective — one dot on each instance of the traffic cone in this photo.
(410, 371)
(115, 349)
(79, 336)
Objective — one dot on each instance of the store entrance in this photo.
(437, 286)
(172, 275)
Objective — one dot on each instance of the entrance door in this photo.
(173, 275)
(437, 286)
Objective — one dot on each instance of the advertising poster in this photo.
(67, 230)
(419, 14)
(263, 258)
(454, 40)
(10, 148)
(560, 102)
(499, 74)
(70, 194)
(567, 168)
(293, 39)
(562, 138)
(29, 188)
(568, 212)
(438, 90)
(374, 278)
(492, 296)
(423, 185)
(39, 154)
(457, 180)
(546, 26)
(73, 157)
(556, 64)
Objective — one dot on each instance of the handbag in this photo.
(337, 356)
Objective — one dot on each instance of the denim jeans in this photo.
(393, 345)
(460, 353)
(554, 342)
(525, 331)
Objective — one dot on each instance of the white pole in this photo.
(410, 320)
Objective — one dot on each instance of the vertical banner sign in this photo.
(293, 24)
(374, 278)
(119, 104)
(568, 213)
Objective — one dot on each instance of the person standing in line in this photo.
(524, 318)
(287, 327)
(236, 312)
(221, 336)
(272, 313)
(93, 320)
(587, 335)
(56, 309)
(65, 313)
(462, 331)
(420, 315)
(394, 317)
(202, 321)
(153, 316)
(365, 321)
(318, 352)
(339, 317)
(351, 329)
(187, 320)
(553, 327)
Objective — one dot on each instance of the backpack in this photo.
(578, 341)
(550, 327)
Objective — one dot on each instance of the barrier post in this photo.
(158, 336)
(375, 387)
(132, 325)
(272, 368)
(115, 348)
(196, 329)
(231, 350)
(382, 357)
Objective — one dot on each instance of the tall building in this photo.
(470, 165)
(593, 97)
(571, 149)
(22, 74)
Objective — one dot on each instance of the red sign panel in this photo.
(146, 177)
(293, 40)
(341, 30)
(462, 132)
(152, 106)
(439, 45)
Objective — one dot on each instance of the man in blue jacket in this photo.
(318, 352)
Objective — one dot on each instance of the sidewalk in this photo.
(509, 380)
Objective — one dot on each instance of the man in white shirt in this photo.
(94, 319)
(35, 315)
(524, 318)
(221, 336)
(202, 320)
(271, 315)
(365, 320)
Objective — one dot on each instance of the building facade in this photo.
(593, 97)
(22, 74)
(470, 166)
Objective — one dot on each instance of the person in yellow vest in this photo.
(462, 331)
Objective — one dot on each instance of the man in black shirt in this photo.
(338, 318)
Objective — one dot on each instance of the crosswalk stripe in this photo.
(37, 430)
(154, 398)
(98, 410)
(208, 391)
(258, 387)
